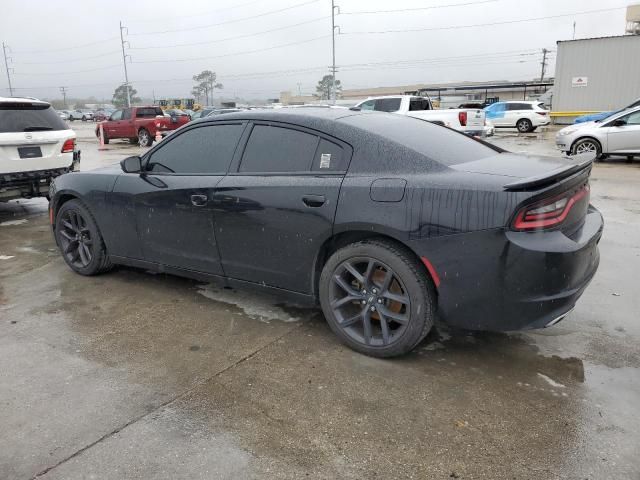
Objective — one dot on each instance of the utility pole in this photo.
(6, 65)
(574, 29)
(124, 62)
(63, 90)
(544, 63)
(299, 89)
(333, 52)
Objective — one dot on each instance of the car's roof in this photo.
(21, 100)
(301, 116)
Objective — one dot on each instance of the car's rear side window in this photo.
(329, 157)
(148, 112)
(29, 117)
(435, 142)
(277, 149)
(388, 104)
(206, 150)
(520, 106)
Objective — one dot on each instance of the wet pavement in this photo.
(134, 375)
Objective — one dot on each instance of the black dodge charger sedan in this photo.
(385, 221)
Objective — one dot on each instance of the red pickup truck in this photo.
(138, 124)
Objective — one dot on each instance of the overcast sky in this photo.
(76, 43)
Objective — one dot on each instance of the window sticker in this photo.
(325, 160)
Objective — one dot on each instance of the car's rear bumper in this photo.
(507, 280)
(31, 184)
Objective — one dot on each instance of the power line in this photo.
(232, 38)
(236, 53)
(67, 72)
(227, 22)
(455, 27)
(70, 60)
(210, 12)
(415, 9)
(34, 52)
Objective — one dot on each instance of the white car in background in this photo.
(83, 115)
(36, 145)
(523, 115)
(617, 135)
(467, 120)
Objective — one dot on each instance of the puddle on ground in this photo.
(255, 306)
(11, 223)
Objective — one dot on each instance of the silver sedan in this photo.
(617, 135)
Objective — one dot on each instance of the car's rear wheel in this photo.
(84, 119)
(144, 138)
(587, 145)
(524, 125)
(79, 239)
(376, 298)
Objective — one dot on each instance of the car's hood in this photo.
(579, 126)
(518, 166)
(114, 169)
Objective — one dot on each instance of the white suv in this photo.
(36, 145)
(525, 116)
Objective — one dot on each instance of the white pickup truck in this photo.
(468, 120)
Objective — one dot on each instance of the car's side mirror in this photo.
(618, 123)
(131, 164)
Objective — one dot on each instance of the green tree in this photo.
(206, 83)
(323, 89)
(120, 96)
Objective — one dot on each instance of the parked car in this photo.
(594, 117)
(525, 116)
(138, 124)
(62, 114)
(617, 135)
(470, 121)
(381, 219)
(102, 115)
(83, 115)
(36, 145)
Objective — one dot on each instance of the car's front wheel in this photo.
(587, 145)
(144, 138)
(376, 298)
(79, 239)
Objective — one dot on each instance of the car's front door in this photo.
(496, 113)
(172, 200)
(111, 127)
(277, 205)
(625, 138)
(125, 126)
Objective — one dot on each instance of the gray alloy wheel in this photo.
(144, 138)
(79, 239)
(524, 125)
(376, 298)
(586, 145)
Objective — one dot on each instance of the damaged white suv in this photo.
(36, 145)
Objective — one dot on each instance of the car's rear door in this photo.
(496, 113)
(625, 138)
(277, 205)
(171, 202)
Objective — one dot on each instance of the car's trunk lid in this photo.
(527, 171)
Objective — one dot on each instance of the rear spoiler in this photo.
(578, 163)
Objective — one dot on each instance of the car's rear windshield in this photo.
(438, 143)
(29, 117)
(148, 112)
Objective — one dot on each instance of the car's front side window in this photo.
(388, 104)
(368, 105)
(117, 115)
(277, 149)
(632, 118)
(206, 150)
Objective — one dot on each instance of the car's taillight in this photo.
(544, 114)
(462, 118)
(68, 146)
(549, 213)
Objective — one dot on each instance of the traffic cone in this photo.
(101, 129)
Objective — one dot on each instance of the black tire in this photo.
(79, 239)
(144, 138)
(524, 125)
(106, 139)
(84, 119)
(133, 141)
(366, 306)
(586, 145)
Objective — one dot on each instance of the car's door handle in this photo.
(314, 200)
(199, 200)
